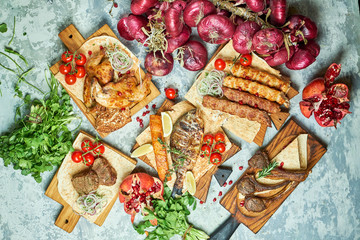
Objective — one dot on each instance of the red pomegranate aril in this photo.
(240, 89)
(220, 193)
(147, 106)
(101, 47)
(201, 202)
(224, 185)
(242, 203)
(89, 52)
(141, 125)
(115, 5)
(119, 93)
(214, 200)
(241, 102)
(281, 165)
(122, 109)
(257, 94)
(144, 114)
(137, 210)
(255, 106)
(241, 168)
(202, 155)
(154, 106)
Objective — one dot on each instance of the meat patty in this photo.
(254, 204)
(106, 173)
(85, 182)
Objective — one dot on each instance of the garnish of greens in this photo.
(170, 217)
(267, 170)
(156, 40)
(119, 60)
(169, 149)
(3, 27)
(211, 84)
(92, 203)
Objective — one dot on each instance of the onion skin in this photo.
(197, 10)
(158, 65)
(278, 12)
(304, 56)
(124, 29)
(130, 28)
(174, 18)
(303, 24)
(216, 29)
(280, 57)
(195, 55)
(139, 7)
(312, 47)
(176, 42)
(267, 41)
(255, 5)
(242, 39)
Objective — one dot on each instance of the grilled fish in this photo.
(186, 137)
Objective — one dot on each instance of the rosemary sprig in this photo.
(267, 170)
(172, 150)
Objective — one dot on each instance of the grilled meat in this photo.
(237, 109)
(254, 204)
(85, 182)
(248, 185)
(100, 67)
(186, 137)
(259, 160)
(106, 173)
(89, 99)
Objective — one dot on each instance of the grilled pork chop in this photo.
(85, 182)
(104, 170)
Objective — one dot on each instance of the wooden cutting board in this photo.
(73, 40)
(278, 119)
(315, 151)
(67, 219)
(203, 184)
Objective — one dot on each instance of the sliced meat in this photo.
(251, 100)
(260, 160)
(277, 173)
(254, 204)
(237, 109)
(89, 99)
(248, 185)
(85, 182)
(106, 173)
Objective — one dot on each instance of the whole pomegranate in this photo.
(328, 101)
(137, 191)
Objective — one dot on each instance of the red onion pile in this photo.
(165, 28)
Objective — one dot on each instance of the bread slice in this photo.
(289, 156)
(111, 119)
(302, 139)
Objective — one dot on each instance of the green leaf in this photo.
(3, 27)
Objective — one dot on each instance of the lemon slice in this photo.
(190, 182)
(142, 150)
(166, 124)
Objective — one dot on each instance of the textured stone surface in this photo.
(325, 206)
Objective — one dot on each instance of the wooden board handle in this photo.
(225, 230)
(67, 219)
(72, 38)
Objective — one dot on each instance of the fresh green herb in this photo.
(13, 33)
(17, 65)
(24, 33)
(9, 50)
(3, 27)
(171, 150)
(171, 217)
(267, 170)
(40, 139)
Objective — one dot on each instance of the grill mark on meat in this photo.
(251, 100)
(85, 182)
(106, 173)
(237, 109)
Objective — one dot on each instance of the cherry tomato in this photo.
(70, 79)
(219, 137)
(67, 56)
(220, 64)
(215, 158)
(89, 159)
(64, 68)
(99, 149)
(220, 147)
(246, 59)
(87, 145)
(208, 139)
(80, 59)
(79, 71)
(171, 93)
(77, 156)
(206, 150)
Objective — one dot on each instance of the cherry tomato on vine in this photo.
(70, 79)
(87, 145)
(98, 149)
(219, 137)
(67, 56)
(208, 139)
(206, 150)
(246, 59)
(80, 59)
(170, 93)
(79, 71)
(77, 156)
(220, 147)
(215, 158)
(65, 69)
(89, 159)
(220, 64)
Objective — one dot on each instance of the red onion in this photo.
(157, 65)
(174, 18)
(237, 20)
(242, 39)
(267, 41)
(174, 43)
(278, 12)
(280, 57)
(139, 7)
(124, 29)
(300, 24)
(255, 5)
(195, 56)
(216, 29)
(197, 10)
(130, 28)
(222, 12)
(312, 47)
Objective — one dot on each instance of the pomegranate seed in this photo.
(147, 106)
(230, 182)
(144, 114)
(242, 203)
(115, 5)
(119, 93)
(281, 165)
(201, 202)
(147, 112)
(137, 119)
(122, 109)
(214, 200)
(101, 47)
(202, 155)
(89, 52)
(247, 78)
(241, 168)
(255, 106)
(240, 89)
(225, 184)
(137, 210)
(154, 106)
(256, 94)
(241, 102)
(128, 72)
(220, 193)
(141, 125)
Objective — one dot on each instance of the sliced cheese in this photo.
(302, 139)
(289, 156)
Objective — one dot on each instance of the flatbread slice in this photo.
(302, 139)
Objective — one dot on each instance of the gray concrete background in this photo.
(325, 206)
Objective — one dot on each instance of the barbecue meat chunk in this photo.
(85, 182)
(106, 173)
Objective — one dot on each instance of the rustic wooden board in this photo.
(203, 184)
(315, 151)
(73, 40)
(67, 219)
(278, 119)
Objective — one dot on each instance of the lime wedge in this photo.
(142, 150)
(166, 124)
(190, 182)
